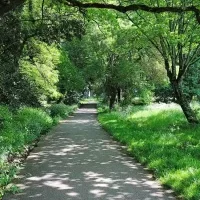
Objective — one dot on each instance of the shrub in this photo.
(20, 129)
(102, 108)
(33, 121)
(60, 110)
(5, 113)
(164, 94)
(5, 125)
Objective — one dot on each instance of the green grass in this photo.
(160, 138)
(20, 129)
(89, 100)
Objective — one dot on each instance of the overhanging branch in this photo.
(136, 7)
(8, 5)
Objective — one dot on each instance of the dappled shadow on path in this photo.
(79, 161)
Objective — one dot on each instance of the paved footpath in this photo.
(79, 160)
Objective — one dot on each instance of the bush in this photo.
(5, 113)
(33, 122)
(138, 101)
(164, 94)
(20, 129)
(31, 117)
(72, 98)
(6, 118)
(102, 107)
(60, 110)
(146, 96)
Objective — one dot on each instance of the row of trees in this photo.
(174, 38)
(171, 39)
(54, 51)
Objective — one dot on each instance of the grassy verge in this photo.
(18, 131)
(159, 137)
(89, 100)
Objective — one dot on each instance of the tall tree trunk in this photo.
(112, 98)
(184, 103)
(119, 95)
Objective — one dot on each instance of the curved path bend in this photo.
(78, 160)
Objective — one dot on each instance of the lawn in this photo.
(160, 137)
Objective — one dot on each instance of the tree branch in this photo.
(136, 7)
(8, 5)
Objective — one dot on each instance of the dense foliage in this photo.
(36, 73)
(54, 53)
(51, 52)
(19, 130)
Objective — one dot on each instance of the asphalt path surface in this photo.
(78, 160)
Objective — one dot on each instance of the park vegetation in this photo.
(127, 54)
(159, 137)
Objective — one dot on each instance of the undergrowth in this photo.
(19, 129)
(160, 137)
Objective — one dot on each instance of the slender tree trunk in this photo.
(119, 95)
(112, 98)
(184, 103)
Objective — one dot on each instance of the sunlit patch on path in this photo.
(79, 161)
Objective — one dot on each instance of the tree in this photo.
(20, 31)
(71, 81)
(13, 86)
(176, 39)
(179, 48)
(115, 67)
(39, 65)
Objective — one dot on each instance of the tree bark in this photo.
(136, 7)
(8, 5)
(184, 103)
(119, 95)
(112, 98)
